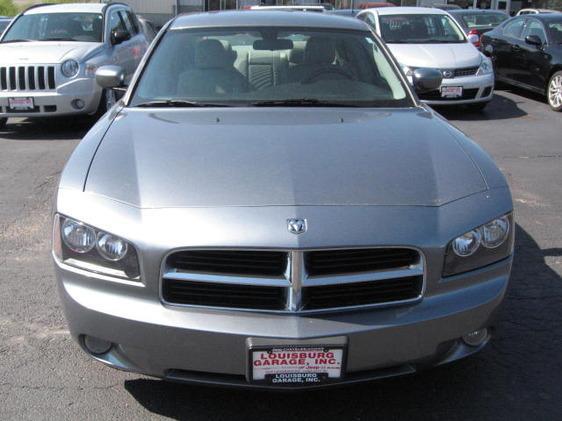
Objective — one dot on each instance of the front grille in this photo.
(27, 78)
(436, 95)
(293, 281)
(362, 293)
(258, 263)
(467, 71)
(224, 295)
(332, 262)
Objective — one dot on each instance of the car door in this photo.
(119, 55)
(138, 41)
(501, 46)
(535, 59)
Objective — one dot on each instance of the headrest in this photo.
(296, 55)
(320, 50)
(212, 54)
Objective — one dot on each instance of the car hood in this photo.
(281, 156)
(45, 52)
(440, 56)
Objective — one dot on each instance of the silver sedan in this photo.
(270, 205)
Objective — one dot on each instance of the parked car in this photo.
(447, 7)
(476, 22)
(422, 37)
(148, 28)
(270, 203)
(4, 22)
(535, 11)
(50, 54)
(527, 52)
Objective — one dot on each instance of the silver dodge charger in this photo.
(271, 206)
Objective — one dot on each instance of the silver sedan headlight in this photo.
(85, 247)
(486, 67)
(70, 68)
(484, 245)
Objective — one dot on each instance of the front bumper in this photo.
(476, 89)
(55, 102)
(210, 346)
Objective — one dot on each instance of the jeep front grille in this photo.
(293, 281)
(27, 78)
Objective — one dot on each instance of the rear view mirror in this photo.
(426, 80)
(110, 77)
(533, 40)
(273, 44)
(118, 36)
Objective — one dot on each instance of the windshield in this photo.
(271, 67)
(86, 27)
(420, 29)
(483, 20)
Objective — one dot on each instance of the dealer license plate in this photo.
(21, 103)
(451, 91)
(296, 365)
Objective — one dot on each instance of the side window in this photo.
(514, 28)
(130, 23)
(116, 23)
(534, 27)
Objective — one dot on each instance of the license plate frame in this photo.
(451, 91)
(287, 375)
(21, 103)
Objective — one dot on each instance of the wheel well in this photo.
(555, 69)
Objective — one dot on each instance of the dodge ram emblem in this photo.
(296, 225)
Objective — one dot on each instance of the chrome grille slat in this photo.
(27, 78)
(400, 280)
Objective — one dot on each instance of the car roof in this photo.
(408, 11)
(232, 19)
(476, 11)
(67, 8)
(545, 17)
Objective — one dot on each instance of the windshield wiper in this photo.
(58, 39)
(300, 102)
(176, 103)
(16, 40)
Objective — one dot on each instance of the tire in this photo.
(3, 122)
(479, 106)
(554, 91)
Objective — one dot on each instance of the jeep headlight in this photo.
(85, 247)
(486, 67)
(70, 68)
(484, 245)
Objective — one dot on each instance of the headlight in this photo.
(94, 250)
(486, 67)
(70, 68)
(479, 247)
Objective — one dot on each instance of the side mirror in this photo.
(426, 80)
(533, 40)
(118, 36)
(110, 77)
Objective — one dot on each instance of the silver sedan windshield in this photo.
(420, 29)
(270, 67)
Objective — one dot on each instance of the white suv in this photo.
(50, 53)
(422, 37)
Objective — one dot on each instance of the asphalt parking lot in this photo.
(43, 374)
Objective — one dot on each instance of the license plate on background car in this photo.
(451, 91)
(21, 103)
(296, 365)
